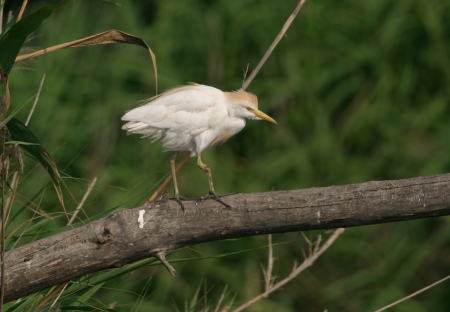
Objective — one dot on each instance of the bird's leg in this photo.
(174, 179)
(212, 192)
(207, 170)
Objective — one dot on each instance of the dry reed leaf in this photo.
(107, 37)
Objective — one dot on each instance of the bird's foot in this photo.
(179, 199)
(216, 196)
(212, 195)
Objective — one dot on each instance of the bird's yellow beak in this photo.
(261, 115)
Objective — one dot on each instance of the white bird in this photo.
(192, 118)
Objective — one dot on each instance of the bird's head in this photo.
(245, 105)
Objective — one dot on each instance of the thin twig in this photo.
(36, 100)
(308, 241)
(161, 255)
(413, 294)
(83, 200)
(245, 73)
(60, 293)
(273, 45)
(268, 271)
(22, 9)
(59, 288)
(296, 271)
(317, 244)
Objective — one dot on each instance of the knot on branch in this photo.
(111, 226)
(106, 235)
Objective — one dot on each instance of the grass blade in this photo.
(20, 132)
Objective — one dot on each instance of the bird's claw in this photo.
(212, 195)
(179, 199)
(216, 196)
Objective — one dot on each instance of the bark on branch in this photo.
(129, 235)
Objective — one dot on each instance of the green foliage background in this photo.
(360, 90)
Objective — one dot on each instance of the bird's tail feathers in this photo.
(146, 130)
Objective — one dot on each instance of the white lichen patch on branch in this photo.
(141, 218)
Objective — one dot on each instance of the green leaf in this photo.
(87, 295)
(12, 40)
(20, 132)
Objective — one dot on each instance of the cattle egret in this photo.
(192, 118)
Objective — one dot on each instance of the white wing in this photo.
(185, 118)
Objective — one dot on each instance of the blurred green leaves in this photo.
(13, 39)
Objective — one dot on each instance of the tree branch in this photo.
(128, 235)
(309, 261)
